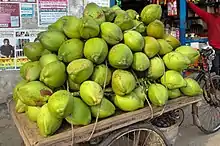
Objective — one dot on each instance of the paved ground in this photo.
(189, 135)
(9, 135)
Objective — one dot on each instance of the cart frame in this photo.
(31, 137)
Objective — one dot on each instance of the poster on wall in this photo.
(10, 16)
(101, 3)
(51, 10)
(21, 1)
(7, 49)
(27, 10)
(11, 47)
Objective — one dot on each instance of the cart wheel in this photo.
(206, 114)
(138, 134)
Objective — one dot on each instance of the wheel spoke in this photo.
(145, 141)
(209, 112)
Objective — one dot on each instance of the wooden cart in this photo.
(30, 134)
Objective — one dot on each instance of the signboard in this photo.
(20, 1)
(27, 10)
(101, 3)
(51, 10)
(10, 16)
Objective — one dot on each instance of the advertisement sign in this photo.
(11, 47)
(7, 49)
(27, 10)
(21, 1)
(101, 3)
(51, 10)
(10, 16)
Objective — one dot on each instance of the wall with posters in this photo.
(21, 20)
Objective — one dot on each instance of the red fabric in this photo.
(213, 24)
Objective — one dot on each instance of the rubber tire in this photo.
(119, 132)
(195, 116)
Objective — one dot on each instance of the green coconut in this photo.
(188, 51)
(111, 33)
(158, 94)
(151, 13)
(123, 82)
(174, 42)
(165, 47)
(156, 69)
(71, 27)
(96, 50)
(140, 92)
(33, 50)
(81, 114)
(80, 70)
(173, 80)
(47, 123)
(60, 104)
(91, 93)
(30, 71)
(140, 62)
(118, 12)
(45, 52)
(152, 47)
(48, 58)
(192, 88)
(34, 93)
(129, 102)
(155, 29)
(32, 112)
(71, 50)
(105, 109)
(73, 86)
(176, 61)
(94, 11)
(120, 56)
(54, 74)
(15, 90)
(174, 93)
(109, 14)
(58, 25)
(102, 75)
(134, 40)
(89, 28)
(124, 21)
(52, 40)
(132, 13)
(115, 7)
(138, 26)
(20, 107)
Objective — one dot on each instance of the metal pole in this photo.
(182, 21)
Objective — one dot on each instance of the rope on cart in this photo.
(148, 102)
(97, 116)
(72, 133)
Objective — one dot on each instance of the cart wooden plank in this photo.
(30, 134)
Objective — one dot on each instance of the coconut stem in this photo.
(148, 82)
